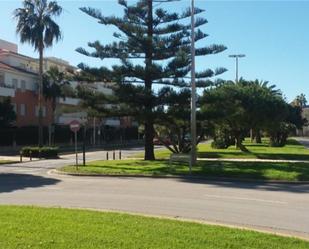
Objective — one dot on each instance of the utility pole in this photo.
(193, 91)
(237, 56)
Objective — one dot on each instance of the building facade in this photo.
(19, 80)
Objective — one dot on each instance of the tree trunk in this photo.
(149, 124)
(251, 135)
(40, 113)
(54, 105)
(239, 145)
(258, 138)
(149, 136)
(237, 142)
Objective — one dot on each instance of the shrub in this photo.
(219, 143)
(44, 152)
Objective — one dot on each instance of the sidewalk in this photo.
(16, 158)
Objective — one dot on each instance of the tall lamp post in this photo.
(237, 56)
(193, 92)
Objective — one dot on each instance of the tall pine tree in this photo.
(153, 46)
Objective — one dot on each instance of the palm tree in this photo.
(53, 83)
(36, 26)
(300, 100)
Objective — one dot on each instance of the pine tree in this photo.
(153, 46)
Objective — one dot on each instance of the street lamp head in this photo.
(237, 55)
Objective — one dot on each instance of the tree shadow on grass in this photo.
(13, 182)
(252, 175)
(259, 185)
(282, 156)
(225, 154)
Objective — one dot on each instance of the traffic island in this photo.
(253, 171)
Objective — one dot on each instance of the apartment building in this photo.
(19, 80)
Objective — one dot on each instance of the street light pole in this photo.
(237, 56)
(193, 91)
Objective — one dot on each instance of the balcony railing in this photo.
(7, 91)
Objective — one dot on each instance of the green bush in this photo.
(219, 144)
(44, 152)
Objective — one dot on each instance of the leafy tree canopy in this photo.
(7, 113)
(153, 46)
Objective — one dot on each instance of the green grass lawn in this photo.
(6, 162)
(50, 228)
(291, 151)
(238, 170)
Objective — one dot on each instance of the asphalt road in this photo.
(280, 208)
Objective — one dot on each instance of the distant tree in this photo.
(54, 82)
(223, 106)
(257, 95)
(7, 113)
(236, 108)
(172, 128)
(35, 25)
(300, 100)
(154, 49)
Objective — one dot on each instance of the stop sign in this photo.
(75, 126)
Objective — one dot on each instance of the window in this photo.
(23, 110)
(14, 107)
(23, 85)
(1, 79)
(15, 83)
(44, 111)
(36, 111)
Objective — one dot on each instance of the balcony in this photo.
(7, 91)
(112, 122)
(69, 101)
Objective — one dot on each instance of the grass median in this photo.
(6, 162)
(49, 228)
(291, 151)
(237, 170)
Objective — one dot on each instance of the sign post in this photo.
(75, 126)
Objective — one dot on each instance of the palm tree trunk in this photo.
(40, 97)
(53, 124)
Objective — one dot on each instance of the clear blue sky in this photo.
(273, 34)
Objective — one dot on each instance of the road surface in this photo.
(280, 208)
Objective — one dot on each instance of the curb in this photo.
(192, 177)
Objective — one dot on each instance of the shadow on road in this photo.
(13, 182)
(260, 185)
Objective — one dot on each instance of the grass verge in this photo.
(32, 227)
(237, 170)
(291, 151)
(6, 162)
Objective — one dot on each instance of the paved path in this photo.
(303, 140)
(275, 207)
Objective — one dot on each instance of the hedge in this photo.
(44, 152)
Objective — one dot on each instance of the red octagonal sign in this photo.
(75, 126)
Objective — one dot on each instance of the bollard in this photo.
(119, 154)
(30, 154)
(114, 155)
(21, 156)
(107, 155)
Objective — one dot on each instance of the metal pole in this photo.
(84, 146)
(94, 130)
(193, 91)
(237, 69)
(76, 157)
(237, 56)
